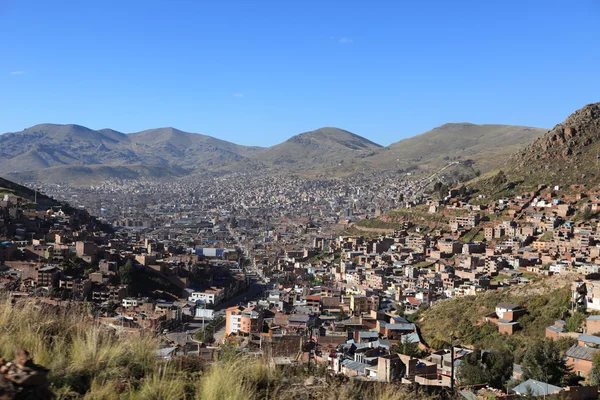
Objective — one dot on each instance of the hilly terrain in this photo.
(316, 150)
(486, 146)
(566, 155)
(79, 151)
(79, 155)
(13, 189)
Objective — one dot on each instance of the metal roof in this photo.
(581, 352)
(368, 334)
(555, 328)
(537, 388)
(589, 339)
(508, 306)
(401, 327)
(354, 365)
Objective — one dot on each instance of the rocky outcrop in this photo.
(21, 379)
(570, 146)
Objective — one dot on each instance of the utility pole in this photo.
(452, 363)
(452, 368)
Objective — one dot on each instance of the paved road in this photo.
(254, 290)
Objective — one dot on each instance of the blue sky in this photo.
(258, 72)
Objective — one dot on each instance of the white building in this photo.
(130, 302)
(210, 296)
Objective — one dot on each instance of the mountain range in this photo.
(76, 154)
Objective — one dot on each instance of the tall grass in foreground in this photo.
(91, 362)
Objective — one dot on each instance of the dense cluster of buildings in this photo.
(198, 249)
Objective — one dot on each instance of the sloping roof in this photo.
(298, 318)
(537, 388)
(411, 338)
(382, 343)
(517, 369)
(507, 322)
(508, 306)
(165, 352)
(589, 339)
(354, 365)
(581, 352)
(555, 328)
(401, 327)
(368, 334)
(412, 300)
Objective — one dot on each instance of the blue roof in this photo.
(368, 334)
(402, 327)
(517, 369)
(411, 338)
(593, 318)
(555, 328)
(537, 388)
(354, 365)
(589, 339)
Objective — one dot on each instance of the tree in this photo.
(593, 377)
(471, 370)
(340, 316)
(493, 368)
(543, 362)
(586, 213)
(127, 273)
(400, 309)
(407, 348)
(573, 323)
(499, 365)
(499, 179)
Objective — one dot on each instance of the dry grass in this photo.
(90, 362)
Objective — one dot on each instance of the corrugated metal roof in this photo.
(508, 306)
(517, 369)
(354, 365)
(401, 327)
(555, 328)
(368, 334)
(581, 352)
(589, 339)
(537, 388)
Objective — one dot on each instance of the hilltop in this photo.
(316, 149)
(125, 155)
(13, 189)
(567, 154)
(485, 145)
(80, 155)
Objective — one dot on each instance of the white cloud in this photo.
(345, 40)
(17, 73)
(238, 95)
